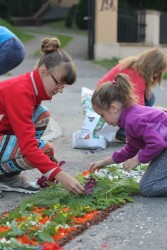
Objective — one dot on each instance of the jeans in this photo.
(154, 180)
(150, 102)
(12, 53)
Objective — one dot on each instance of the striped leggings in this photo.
(11, 159)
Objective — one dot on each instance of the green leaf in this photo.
(15, 231)
(45, 237)
(61, 219)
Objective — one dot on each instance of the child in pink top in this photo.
(145, 71)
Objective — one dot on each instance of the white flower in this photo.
(8, 223)
(3, 240)
(33, 223)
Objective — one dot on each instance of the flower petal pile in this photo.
(52, 217)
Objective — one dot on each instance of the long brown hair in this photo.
(150, 64)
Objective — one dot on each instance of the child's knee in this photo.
(42, 110)
(41, 114)
(145, 190)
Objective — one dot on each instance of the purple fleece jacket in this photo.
(146, 130)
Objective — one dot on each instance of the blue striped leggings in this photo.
(11, 159)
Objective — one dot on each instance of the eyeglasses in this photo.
(54, 79)
(59, 85)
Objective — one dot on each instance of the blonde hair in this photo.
(55, 57)
(120, 89)
(150, 64)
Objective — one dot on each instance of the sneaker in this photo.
(1, 194)
(18, 184)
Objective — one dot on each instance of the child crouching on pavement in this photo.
(23, 121)
(146, 129)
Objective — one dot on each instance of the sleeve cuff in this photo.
(55, 172)
(51, 174)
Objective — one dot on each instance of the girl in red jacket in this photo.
(145, 71)
(23, 120)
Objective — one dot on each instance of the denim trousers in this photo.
(12, 53)
(154, 180)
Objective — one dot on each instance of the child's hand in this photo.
(69, 183)
(97, 165)
(131, 163)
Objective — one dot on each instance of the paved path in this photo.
(136, 226)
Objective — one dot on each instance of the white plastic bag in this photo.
(92, 122)
(86, 96)
(85, 140)
(95, 132)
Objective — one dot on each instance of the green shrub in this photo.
(70, 17)
(81, 12)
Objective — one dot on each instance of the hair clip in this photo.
(114, 82)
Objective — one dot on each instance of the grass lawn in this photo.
(18, 32)
(60, 26)
(24, 37)
(107, 63)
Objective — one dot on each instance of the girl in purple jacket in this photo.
(146, 129)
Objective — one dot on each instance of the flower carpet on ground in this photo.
(53, 216)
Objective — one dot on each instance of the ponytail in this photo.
(120, 89)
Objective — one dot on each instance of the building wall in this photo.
(106, 13)
(106, 21)
(106, 45)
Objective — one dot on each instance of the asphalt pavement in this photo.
(136, 226)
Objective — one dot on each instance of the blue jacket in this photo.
(5, 34)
